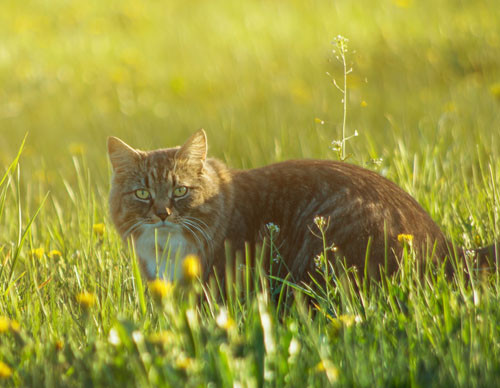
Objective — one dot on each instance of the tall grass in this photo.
(74, 310)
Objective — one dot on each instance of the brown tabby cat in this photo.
(175, 201)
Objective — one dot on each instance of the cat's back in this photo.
(358, 204)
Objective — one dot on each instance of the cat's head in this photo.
(162, 188)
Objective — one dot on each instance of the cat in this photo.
(174, 202)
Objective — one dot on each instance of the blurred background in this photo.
(425, 81)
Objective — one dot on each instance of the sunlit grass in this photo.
(423, 96)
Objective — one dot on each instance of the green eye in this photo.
(180, 191)
(142, 194)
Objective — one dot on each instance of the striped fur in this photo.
(225, 205)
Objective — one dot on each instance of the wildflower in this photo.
(320, 222)
(405, 238)
(224, 321)
(5, 371)
(336, 145)
(348, 319)
(77, 149)
(37, 253)
(99, 229)
(86, 300)
(54, 254)
(162, 338)
(58, 345)
(191, 267)
(160, 288)
(331, 371)
(272, 227)
(294, 347)
(138, 337)
(4, 324)
(184, 362)
(319, 121)
(364, 104)
(114, 337)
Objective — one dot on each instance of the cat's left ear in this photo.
(121, 154)
(195, 148)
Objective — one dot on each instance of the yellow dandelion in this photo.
(99, 229)
(162, 338)
(364, 104)
(77, 149)
(405, 238)
(5, 371)
(160, 288)
(54, 254)
(184, 362)
(191, 267)
(86, 299)
(331, 371)
(59, 345)
(37, 253)
(4, 324)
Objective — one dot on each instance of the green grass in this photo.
(424, 96)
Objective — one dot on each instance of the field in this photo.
(423, 96)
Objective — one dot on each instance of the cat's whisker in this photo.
(132, 228)
(192, 223)
(188, 228)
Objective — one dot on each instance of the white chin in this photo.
(162, 250)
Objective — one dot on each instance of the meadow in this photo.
(423, 96)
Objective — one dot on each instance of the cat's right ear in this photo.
(121, 154)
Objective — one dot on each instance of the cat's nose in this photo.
(163, 213)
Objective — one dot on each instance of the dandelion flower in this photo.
(405, 238)
(99, 229)
(184, 362)
(191, 267)
(4, 324)
(160, 288)
(162, 338)
(59, 345)
(86, 300)
(37, 253)
(364, 104)
(331, 371)
(5, 371)
(54, 254)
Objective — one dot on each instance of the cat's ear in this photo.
(195, 148)
(121, 154)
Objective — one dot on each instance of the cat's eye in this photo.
(180, 191)
(142, 194)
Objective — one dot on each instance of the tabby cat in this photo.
(174, 201)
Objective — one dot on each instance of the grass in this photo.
(424, 96)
